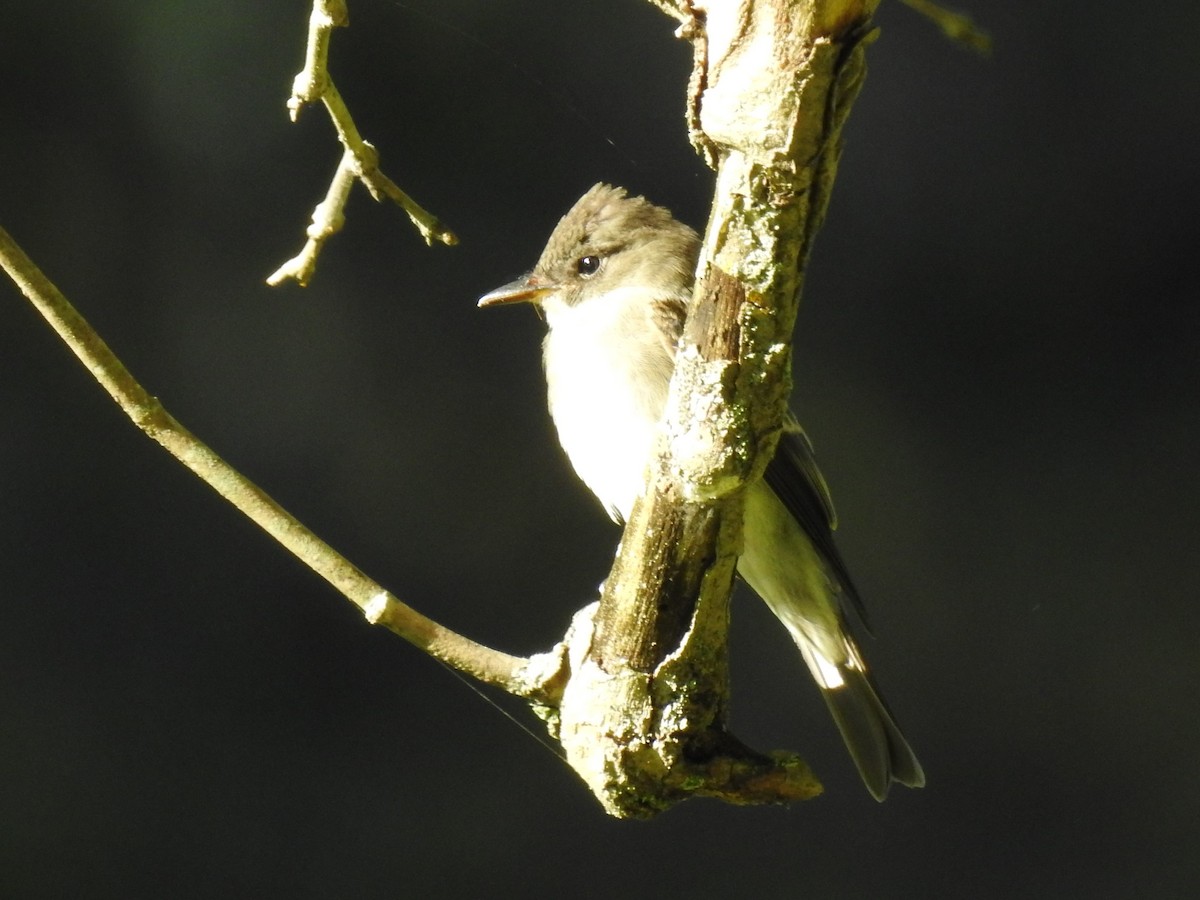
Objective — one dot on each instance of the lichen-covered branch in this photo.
(643, 715)
(359, 162)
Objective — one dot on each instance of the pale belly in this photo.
(608, 376)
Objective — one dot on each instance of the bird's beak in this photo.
(526, 289)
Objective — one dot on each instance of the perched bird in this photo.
(613, 284)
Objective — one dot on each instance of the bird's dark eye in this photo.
(587, 266)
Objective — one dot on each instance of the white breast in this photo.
(608, 370)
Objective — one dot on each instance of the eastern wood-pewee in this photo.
(613, 284)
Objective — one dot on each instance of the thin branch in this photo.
(360, 161)
(327, 220)
(956, 26)
(537, 678)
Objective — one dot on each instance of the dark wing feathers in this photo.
(794, 477)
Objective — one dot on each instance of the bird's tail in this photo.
(872, 736)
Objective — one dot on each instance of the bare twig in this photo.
(327, 220)
(360, 160)
(537, 678)
(956, 26)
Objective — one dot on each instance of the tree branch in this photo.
(537, 678)
(644, 715)
(956, 26)
(360, 160)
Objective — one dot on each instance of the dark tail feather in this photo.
(871, 734)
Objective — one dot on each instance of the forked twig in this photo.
(360, 159)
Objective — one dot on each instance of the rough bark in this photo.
(643, 714)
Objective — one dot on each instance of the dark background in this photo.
(995, 358)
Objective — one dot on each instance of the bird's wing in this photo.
(794, 477)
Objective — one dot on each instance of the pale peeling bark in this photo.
(643, 714)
